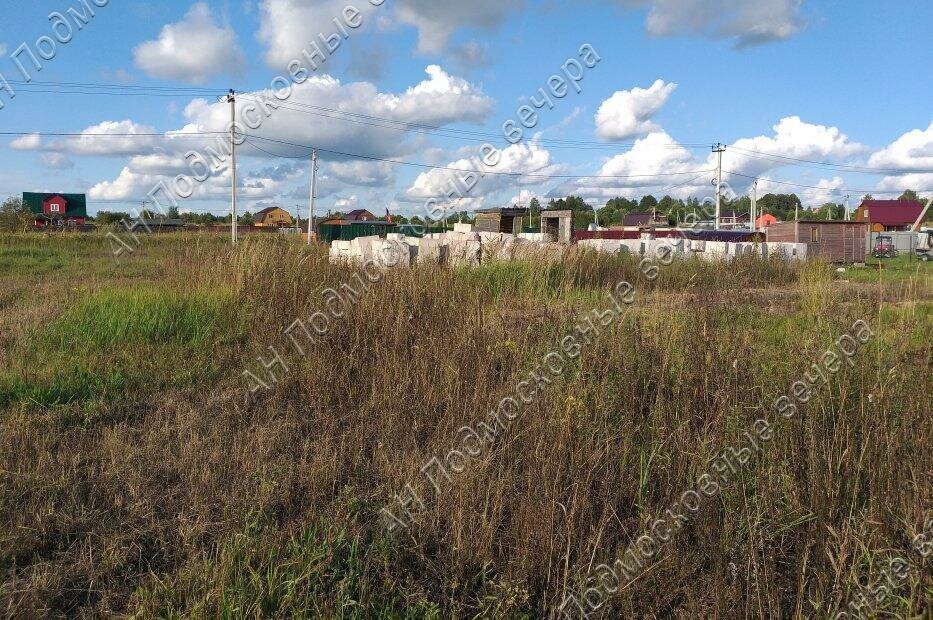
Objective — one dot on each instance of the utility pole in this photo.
(313, 188)
(847, 207)
(718, 149)
(232, 99)
(754, 214)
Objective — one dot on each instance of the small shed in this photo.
(504, 220)
(558, 224)
(832, 240)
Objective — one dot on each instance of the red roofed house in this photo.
(765, 221)
(889, 215)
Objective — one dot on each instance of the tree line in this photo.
(16, 217)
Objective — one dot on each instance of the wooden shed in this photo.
(505, 220)
(835, 241)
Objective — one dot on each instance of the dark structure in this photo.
(835, 241)
(558, 224)
(504, 220)
(360, 215)
(159, 224)
(644, 219)
(56, 210)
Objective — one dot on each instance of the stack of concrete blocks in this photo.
(536, 237)
(464, 249)
(432, 252)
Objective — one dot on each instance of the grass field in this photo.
(140, 478)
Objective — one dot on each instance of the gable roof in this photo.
(268, 210)
(358, 213)
(643, 218)
(890, 212)
(75, 204)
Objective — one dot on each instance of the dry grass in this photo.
(152, 486)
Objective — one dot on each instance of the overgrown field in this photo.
(139, 477)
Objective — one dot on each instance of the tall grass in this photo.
(203, 502)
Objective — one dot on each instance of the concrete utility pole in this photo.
(718, 149)
(847, 207)
(232, 99)
(754, 214)
(313, 188)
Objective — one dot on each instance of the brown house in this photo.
(889, 215)
(272, 217)
(360, 215)
(835, 241)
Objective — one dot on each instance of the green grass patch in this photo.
(142, 316)
(261, 574)
(31, 259)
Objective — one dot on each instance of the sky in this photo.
(819, 97)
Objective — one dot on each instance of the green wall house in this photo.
(56, 210)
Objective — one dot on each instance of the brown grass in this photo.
(169, 493)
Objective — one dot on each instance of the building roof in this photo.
(506, 211)
(75, 204)
(891, 212)
(356, 214)
(643, 218)
(734, 215)
(268, 210)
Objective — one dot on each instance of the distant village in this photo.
(880, 227)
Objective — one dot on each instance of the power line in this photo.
(469, 170)
(55, 134)
(827, 189)
(775, 156)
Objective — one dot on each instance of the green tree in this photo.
(173, 213)
(105, 218)
(910, 195)
(648, 203)
(246, 219)
(14, 215)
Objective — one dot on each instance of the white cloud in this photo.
(628, 113)
(3, 49)
(192, 50)
(793, 139)
(655, 163)
(56, 161)
(346, 204)
(826, 190)
(365, 173)
(289, 26)
(439, 100)
(912, 152)
(529, 162)
(921, 182)
(29, 142)
(746, 22)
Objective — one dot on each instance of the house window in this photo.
(815, 235)
(54, 208)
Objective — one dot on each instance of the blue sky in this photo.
(841, 85)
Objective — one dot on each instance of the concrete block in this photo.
(464, 253)
(463, 228)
